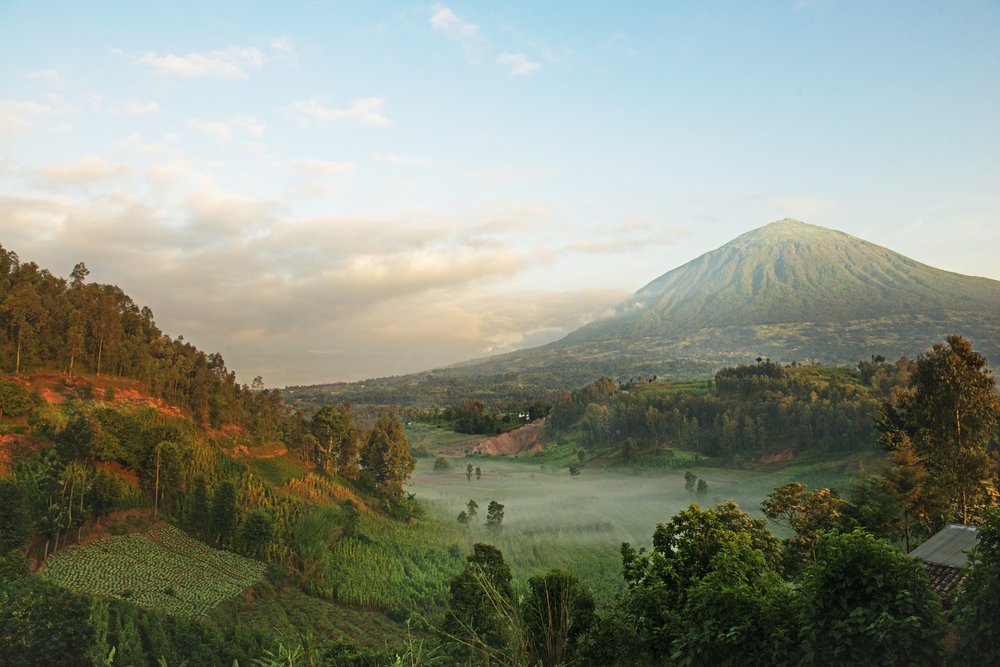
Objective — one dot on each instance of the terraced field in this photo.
(162, 568)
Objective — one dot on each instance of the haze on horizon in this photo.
(325, 192)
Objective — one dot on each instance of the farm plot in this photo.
(162, 568)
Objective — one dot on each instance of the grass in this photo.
(278, 470)
(553, 519)
(394, 566)
(440, 441)
(291, 614)
(162, 568)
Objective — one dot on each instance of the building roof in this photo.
(946, 554)
(949, 546)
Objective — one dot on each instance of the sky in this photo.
(327, 191)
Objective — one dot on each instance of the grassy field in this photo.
(278, 470)
(553, 519)
(162, 568)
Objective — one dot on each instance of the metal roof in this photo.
(949, 546)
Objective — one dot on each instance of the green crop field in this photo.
(162, 568)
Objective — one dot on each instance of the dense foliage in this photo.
(746, 414)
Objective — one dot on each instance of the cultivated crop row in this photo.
(163, 568)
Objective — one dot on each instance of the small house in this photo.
(946, 553)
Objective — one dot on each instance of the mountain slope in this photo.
(791, 272)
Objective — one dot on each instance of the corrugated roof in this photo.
(950, 546)
(944, 580)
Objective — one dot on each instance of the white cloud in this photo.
(405, 160)
(19, 116)
(444, 20)
(48, 77)
(226, 130)
(90, 169)
(218, 130)
(135, 108)
(633, 234)
(230, 63)
(323, 168)
(367, 111)
(517, 64)
(284, 44)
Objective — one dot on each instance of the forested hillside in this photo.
(74, 327)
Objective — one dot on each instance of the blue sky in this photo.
(327, 191)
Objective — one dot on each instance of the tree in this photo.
(574, 468)
(479, 473)
(472, 507)
(557, 612)
(863, 602)
(43, 624)
(807, 512)
(630, 451)
(26, 315)
(690, 479)
(480, 609)
(702, 488)
(740, 613)
(257, 532)
(350, 449)
(224, 512)
(949, 412)
(494, 516)
(386, 462)
(977, 609)
(108, 493)
(909, 485)
(331, 426)
(199, 514)
(441, 464)
(15, 519)
(684, 552)
(468, 471)
(463, 518)
(15, 401)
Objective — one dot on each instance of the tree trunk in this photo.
(80, 527)
(156, 487)
(100, 351)
(69, 516)
(965, 509)
(17, 362)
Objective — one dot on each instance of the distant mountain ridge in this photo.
(789, 290)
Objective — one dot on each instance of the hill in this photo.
(790, 272)
(789, 291)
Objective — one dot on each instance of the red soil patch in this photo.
(15, 446)
(50, 396)
(226, 430)
(118, 470)
(783, 456)
(130, 395)
(269, 451)
(525, 439)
